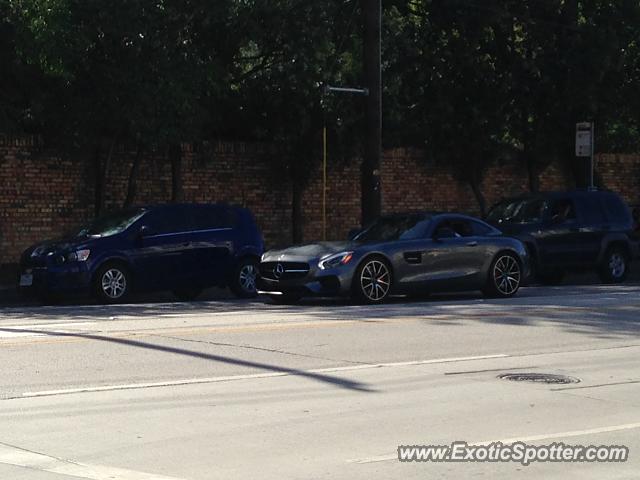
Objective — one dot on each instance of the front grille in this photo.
(289, 270)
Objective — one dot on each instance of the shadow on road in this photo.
(329, 379)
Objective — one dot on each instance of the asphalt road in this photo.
(326, 389)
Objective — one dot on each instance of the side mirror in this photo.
(444, 233)
(353, 233)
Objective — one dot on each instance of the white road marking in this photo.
(13, 331)
(11, 455)
(196, 381)
(532, 438)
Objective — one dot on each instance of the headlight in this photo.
(79, 256)
(332, 261)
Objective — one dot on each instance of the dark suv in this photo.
(571, 231)
(180, 247)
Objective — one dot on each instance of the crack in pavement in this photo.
(263, 349)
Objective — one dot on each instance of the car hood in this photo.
(308, 252)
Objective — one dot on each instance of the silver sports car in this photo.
(403, 253)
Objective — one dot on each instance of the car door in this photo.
(593, 226)
(453, 260)
(559, 240)
(159, 248)
(211, 243)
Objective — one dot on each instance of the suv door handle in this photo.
(472, 244)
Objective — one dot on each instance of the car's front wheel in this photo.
(112, 283)
(372, 281)
(244, 277)
(614, 266)
(505, 275)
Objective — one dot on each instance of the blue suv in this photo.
(184, 248)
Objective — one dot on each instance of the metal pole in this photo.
(371, 195)
(593, 141)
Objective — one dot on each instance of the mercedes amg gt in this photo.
(400, 254)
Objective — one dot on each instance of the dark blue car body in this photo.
(179, 247)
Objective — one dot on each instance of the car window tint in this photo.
(462, 228)
(208, 217)
(563, 209)
(168, 220)
(480, 229)
(616, 210)
(592, 209)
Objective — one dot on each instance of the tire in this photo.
(187, 294)
(505, 276)
(244, 277)
(285, 298)
(112, 283)
(372, 281)
(550, 277)
(615, 266)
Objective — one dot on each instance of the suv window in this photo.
(523, 210)
(563, 210)
(615, 209)
(592, 209)
(208, 217)
(166, 220)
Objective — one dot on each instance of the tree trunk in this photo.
(175, 155)
(532, 170)
(132, 186)
(477, 192)
(296, 213)
(102, 170)
(98, 199)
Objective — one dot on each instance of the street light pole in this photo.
(370, 180)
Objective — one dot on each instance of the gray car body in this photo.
(419, 265)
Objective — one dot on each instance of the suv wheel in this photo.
(615, 266)
(243, 280)
(112, 283)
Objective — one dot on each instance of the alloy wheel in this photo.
(506, 275)
(375, 280)
(114, 283)
(247, 277)
(617, 265)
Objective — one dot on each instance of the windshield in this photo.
(527, 210)
(399, 227)
(112, 223)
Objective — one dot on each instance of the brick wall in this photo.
(44, 194)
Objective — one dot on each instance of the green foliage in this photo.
(468, 80)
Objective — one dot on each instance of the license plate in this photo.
(26, 280)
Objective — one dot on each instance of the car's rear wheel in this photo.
(187, 294)
(373, 280)
(615, 266)
(112, 283)
(504, 277)
(244, 277)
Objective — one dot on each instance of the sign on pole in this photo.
(583, 139)
(584, 145)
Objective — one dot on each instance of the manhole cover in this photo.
(538, 378)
